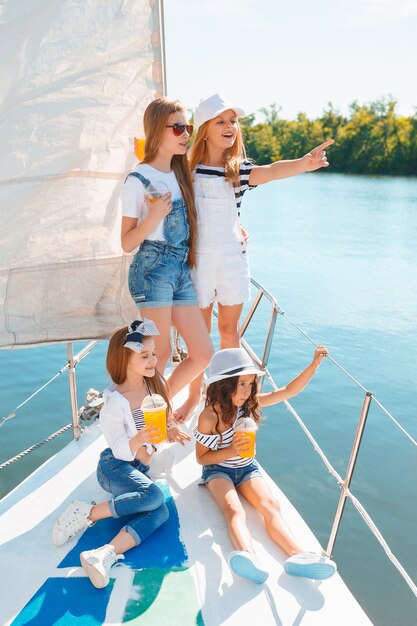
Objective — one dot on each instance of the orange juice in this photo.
(154, 410)
(251, 435)
(246, 428)
(155, 190)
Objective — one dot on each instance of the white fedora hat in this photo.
(212, 107)
(230, 362)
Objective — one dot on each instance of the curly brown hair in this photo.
(219, 394)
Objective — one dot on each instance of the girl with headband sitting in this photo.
(123, 466)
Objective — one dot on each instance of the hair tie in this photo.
(137, 330)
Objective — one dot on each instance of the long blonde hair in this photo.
(117, 360)
(154, 122)
(232, 156)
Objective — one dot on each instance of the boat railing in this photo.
(344, 483)
(262, 362)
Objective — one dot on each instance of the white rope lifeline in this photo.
(381, 406)
(359, 507)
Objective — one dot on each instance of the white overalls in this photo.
(222, 269)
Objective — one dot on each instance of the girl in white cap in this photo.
(232, 392)
(222, 175)
(123, 466)
(161, 229)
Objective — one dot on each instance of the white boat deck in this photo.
(199, 590)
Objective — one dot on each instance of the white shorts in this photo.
(222, 277)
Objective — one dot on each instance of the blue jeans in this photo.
(134, 495)
(159, 276)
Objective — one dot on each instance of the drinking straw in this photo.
(150, 392)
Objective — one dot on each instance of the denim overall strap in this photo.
(142, 179)
(176, 227)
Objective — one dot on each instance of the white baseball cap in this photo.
(212, 107)
(230, 362)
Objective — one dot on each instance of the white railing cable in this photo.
(81, 354)
(21, 455)
(308, 434)
(35, 393)
(378, 535)
(381, 406)
(344, 484)
(359, 507)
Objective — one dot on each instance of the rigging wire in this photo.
(352, 378)
(35, 446)
(356, 503)
(77, 358)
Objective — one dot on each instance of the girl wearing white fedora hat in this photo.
(230, 471)
(222, 174)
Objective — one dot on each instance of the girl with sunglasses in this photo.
(229, 470)
(222, 175)
(163, 230)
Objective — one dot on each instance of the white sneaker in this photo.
(246, 565)
(71, 521)
(310, 565)
(97, 563)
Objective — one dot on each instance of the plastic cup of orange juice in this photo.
(154, 410)
(246, 427)
(156, 190)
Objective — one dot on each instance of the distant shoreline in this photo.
(372, 140)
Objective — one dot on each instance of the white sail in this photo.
(76, 77)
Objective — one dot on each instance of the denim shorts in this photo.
(236, 475)
(159, 276)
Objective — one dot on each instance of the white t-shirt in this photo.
(133, 197)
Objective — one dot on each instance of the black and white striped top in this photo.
(213, 442)
(206, 171)
(138, 418)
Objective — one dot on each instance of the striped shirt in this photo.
(138, 418)
(213, 442)
(206, 171)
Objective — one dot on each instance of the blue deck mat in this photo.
(65, 602)
(163, 548)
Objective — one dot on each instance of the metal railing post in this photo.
(268, 343)
(251, 312)
(73, 392)
(349, 473)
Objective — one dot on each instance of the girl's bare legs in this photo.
(184, 412)
(228, 323)
(190, 324)
(122, 542)
(225, 494)
(256, 491)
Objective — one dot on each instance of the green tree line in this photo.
(372, 139)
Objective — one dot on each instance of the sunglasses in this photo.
(178, 129)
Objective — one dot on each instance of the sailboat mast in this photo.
(162, 39)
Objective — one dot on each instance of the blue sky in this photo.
(299, 54)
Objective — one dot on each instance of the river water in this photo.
(339, 254)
